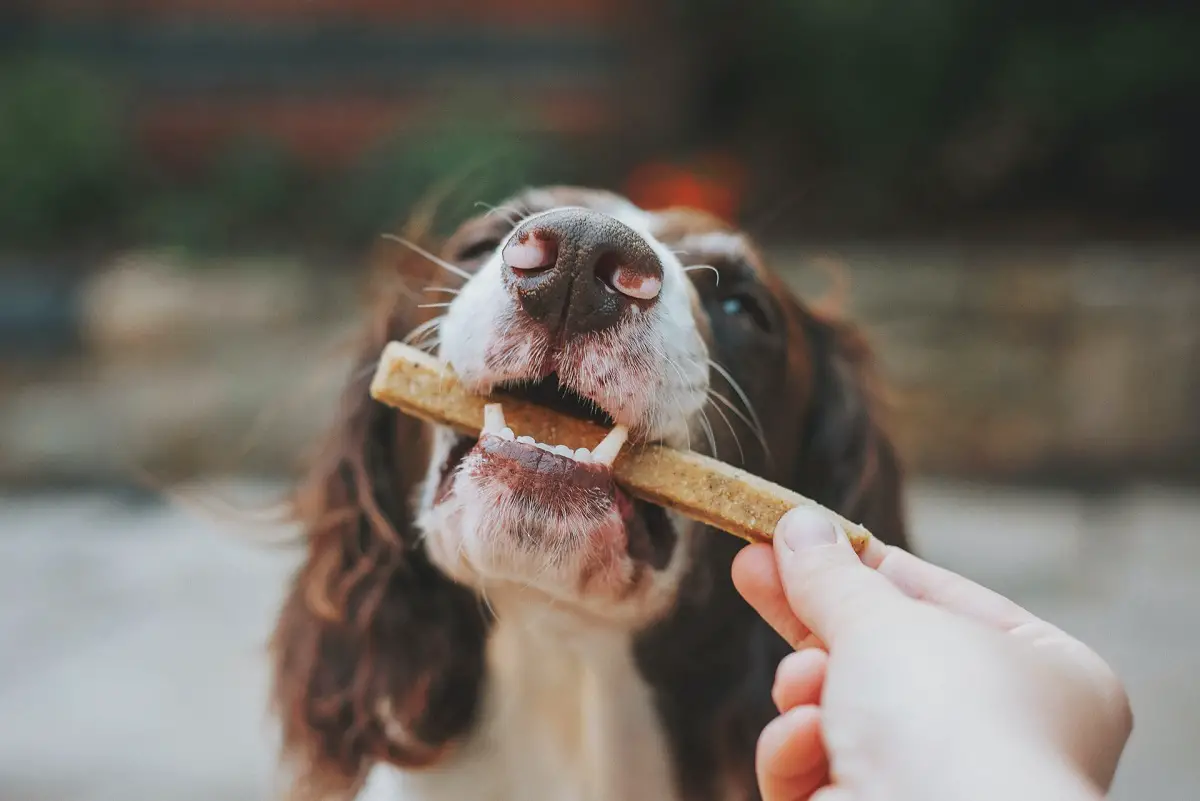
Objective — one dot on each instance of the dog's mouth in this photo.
(543, 467)
(548, 497)
(554, 477)
(550, 392)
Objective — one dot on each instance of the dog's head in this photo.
(666, 325)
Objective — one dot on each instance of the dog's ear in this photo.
(848, 462)
(378, 656)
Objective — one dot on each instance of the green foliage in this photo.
(462, 161)
(256, 193)
(868, 104)
(69, 173)
(64, 153)
(877, 90)
(250, 194)
(858, 70)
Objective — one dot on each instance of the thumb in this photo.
(827, 587)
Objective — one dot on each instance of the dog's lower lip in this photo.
(604, 453)
(563, 487)
(557, 486)
(532, 463)
(540, 465)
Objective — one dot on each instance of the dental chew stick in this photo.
(692, 484)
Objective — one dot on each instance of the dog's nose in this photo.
(577, 270)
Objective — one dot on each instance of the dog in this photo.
(494, 618)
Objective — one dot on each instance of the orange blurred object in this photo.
(713, 184)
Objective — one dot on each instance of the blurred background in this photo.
(192, 193)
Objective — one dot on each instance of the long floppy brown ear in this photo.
(378, 656)
(848, 461)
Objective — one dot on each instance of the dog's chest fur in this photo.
(566, 717)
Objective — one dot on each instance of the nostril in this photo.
(636, 284)
(606, 271)
(628, 279)
(529, 252)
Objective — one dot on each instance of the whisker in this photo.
(363, 372)
(708, 432)
(444, 289)
(736, 439)
(484, 601)
(682, 383)
(740, 392)
(715, 271)
(514, 215)
(423, 329)
(434, 305)
(445, 265)
(406, 290)
(758, 432)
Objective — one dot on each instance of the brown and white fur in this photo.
(487, 619)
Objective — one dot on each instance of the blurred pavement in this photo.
(131, 634)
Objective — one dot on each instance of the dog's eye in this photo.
(747, 306)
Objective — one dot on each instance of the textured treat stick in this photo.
(697, 486)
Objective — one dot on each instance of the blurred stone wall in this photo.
(1048, 364)
(182, 369)
(1061, 365)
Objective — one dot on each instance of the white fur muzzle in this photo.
(570, 566)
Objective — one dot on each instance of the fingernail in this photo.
(804, 528)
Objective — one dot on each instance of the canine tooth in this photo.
(527, 440)
(583, 455)
(508, 434)
(545, 447)
(563, 450)
(606, 452)
(493, 418)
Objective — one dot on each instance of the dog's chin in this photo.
(516, 521)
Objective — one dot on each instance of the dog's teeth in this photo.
(527, 440)
(583, 455)
(493, 418)
(563, 450)
(508, 434)
(545, 447)
(606, 452)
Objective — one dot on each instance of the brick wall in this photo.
(506, 13)
(329, 78)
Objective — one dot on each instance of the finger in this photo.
(922, 581)
(799, 679)
(756, 578)
(826, 585)
(802, 788)
(790, 760)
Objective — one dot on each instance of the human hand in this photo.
(913, 682)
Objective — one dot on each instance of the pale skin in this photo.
(912, 682)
